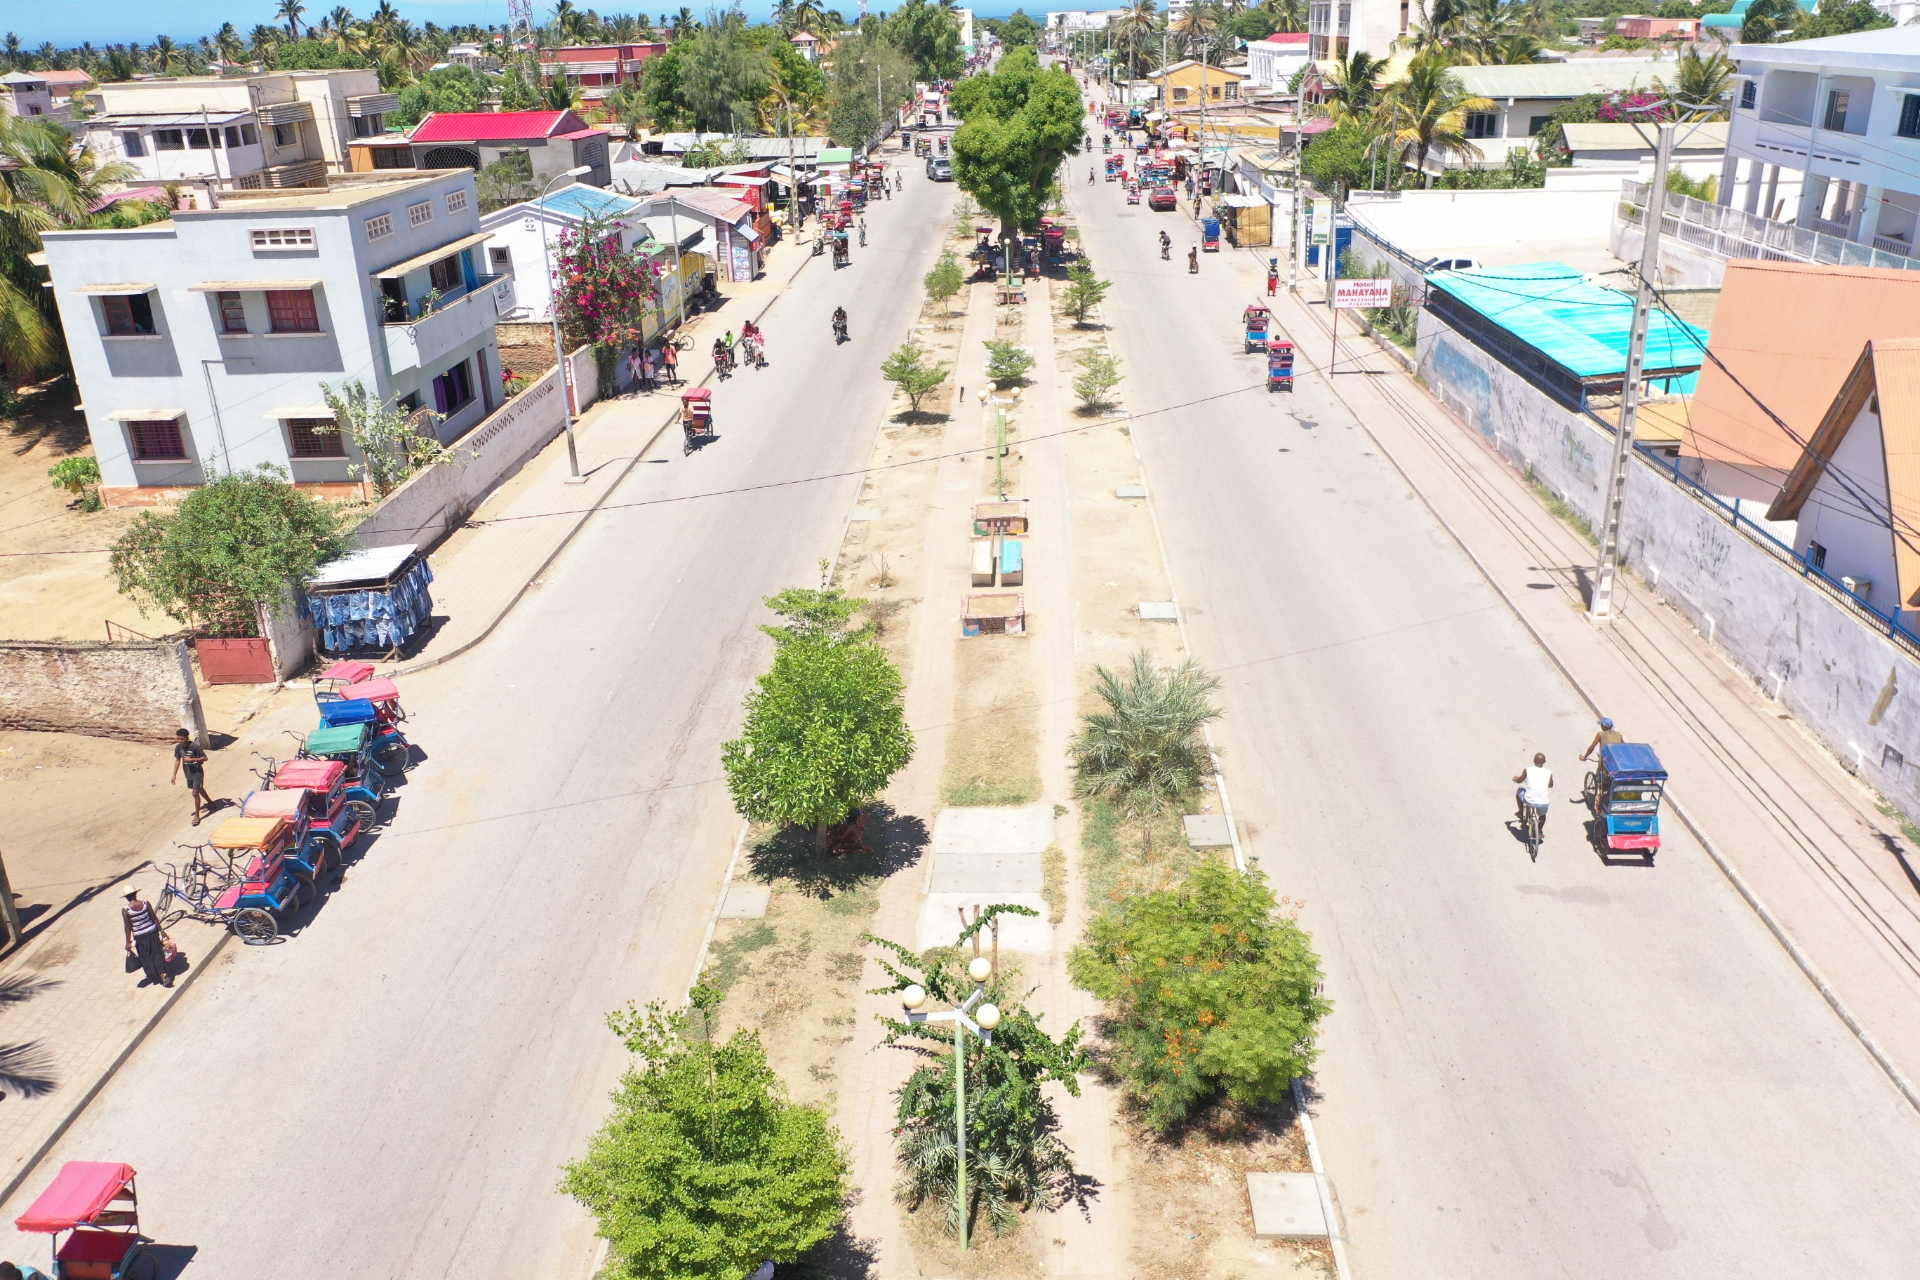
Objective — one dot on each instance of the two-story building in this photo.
(598, 68)
(1189, 84)
(555, 141)
(1336, 28)
(475, 56)
(1271, 63)
(525, 244)
(1840, 118)
(24, 94)
(200, 344)
(283, 129)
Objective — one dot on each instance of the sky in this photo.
(70, 22)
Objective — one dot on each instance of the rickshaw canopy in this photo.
(1631, 762)
(277, 804)
(348, 711)
(76, 1196)
(696, 394)
(382, 690)
(351, 672)
(337, 740)
(249, 833)
(314, 775)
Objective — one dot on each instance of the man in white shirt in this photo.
(1536, 780)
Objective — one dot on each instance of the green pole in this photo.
(960, 1120)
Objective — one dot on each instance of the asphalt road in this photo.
(1531, 1070)
(393, 1090)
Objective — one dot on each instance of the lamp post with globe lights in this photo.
(974, 1016)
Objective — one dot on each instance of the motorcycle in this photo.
(839, 330)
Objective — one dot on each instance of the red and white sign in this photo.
(1369, 294)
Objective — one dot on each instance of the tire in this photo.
(396, 758)
(255, 927)
(303, 890)
(1587, 793)
(141, 1265)
(367, 815)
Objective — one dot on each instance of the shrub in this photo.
(1007, 364)
(1083, 292)
(1099, 375)
(1145, 752)
(908, 369)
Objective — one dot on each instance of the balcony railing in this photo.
(423, 339)
(1733, 233)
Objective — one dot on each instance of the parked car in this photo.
(1453, 264)
(1162, 199)
(939, 168)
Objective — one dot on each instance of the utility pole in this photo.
(1293, 236)
(1601, 610)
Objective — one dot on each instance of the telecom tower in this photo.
(521, 36)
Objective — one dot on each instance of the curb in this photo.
(153, 1020)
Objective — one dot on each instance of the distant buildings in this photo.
(27, 95)
(1336, 28)
(598, 69)
(1271, 63)
(474, 56)
(1522, 99)
(807, 45)
(1188, 84)
(555, 141)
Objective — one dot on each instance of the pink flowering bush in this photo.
(602, 291)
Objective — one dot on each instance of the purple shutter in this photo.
(440, 394)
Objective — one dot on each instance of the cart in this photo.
(1625, 793)
(696, 416)
(352, 746)
(337, 813)
(269, 886)
(1210, 235)
(1279, 365)
(373, 599)
(94, 1202)
(1256, 319)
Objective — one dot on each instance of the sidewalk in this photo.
(1802, 840)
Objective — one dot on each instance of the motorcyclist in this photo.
(1166, 246)
(720, 356)
(839, 322)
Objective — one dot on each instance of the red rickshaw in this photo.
(94, 1202)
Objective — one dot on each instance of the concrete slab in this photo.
(939, 922)
(1208, 831)
(1130, 491)
(986, 873)
(864, 513)
(745, 902)
(1286, 1206)
(1028, 829)
(1159, 611)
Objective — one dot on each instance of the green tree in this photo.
(1836, 19)
(517, 95)
(1428, 109)
(825, 731)
(231, 548)
(725, 71)
(1552, 141)
(664, 101)
(1014, 1161)
(1345, 157)
(508, 180)
(1701, 84)
(1020, 123)
(1211, 992)
(705, 1167)
(454, 88)
(1768, 19)
(944, 282)
(908, 369)
(1353, 87)
(1084, 291)
(1145, 753)
(928, 34)
(1007, 363)
(1099, 375)
(815, 615)
(388, 439)
(865, 64)
(319, 55)
(1017, 30)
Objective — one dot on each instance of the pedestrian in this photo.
(1273, 281)
(646, 369)
(633, 368)
(670, 355)
(191, 756)
(863, 233)
(145, 939)
(1608, 736)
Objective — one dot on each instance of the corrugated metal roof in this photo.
(1578, 324)
(1790, 332)
(494, 126)
(1560, 79)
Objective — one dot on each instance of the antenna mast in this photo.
(521, 35)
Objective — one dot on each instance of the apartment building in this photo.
(598, 68)
(1336, 28)
(200, 344)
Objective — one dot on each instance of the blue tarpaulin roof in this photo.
(1631, 760)
(1579, 325)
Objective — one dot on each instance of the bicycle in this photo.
(1533, 829)
(197, 886)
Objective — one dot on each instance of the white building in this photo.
(1336, 28)
(200, 343)
(283, 129)
(1844, 114)
(966, 30)
(26, 95)
(472, 55)
(1523, 98)
(1271, 63)
(526, 242)
(1071, 20)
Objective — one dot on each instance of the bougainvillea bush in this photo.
(602, 290)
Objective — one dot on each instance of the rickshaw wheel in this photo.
(303, 891)
(362, 811)
(395, 759)
(1588, 788)
(141, 1265)
(255, 926)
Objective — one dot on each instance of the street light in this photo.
(553, 312)
(981, 1023)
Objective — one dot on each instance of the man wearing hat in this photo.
(1608, 736)
(144, 938)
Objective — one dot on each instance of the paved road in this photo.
(392, 1091)
(1531, 1070)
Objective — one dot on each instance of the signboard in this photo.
(1321, 212)
(1368, 294)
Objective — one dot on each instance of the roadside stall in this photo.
(375, 599)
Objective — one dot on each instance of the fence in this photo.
(1734, 233)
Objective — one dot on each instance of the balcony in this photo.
(417, 338)
(1727, 232)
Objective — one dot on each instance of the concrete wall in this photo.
(1429, 223)
(138, 692)
(1832, 666)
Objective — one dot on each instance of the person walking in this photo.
(646, 369)
(863, 233)
(670, 357)
(1273, 280)
(192, 757)
(633, 368)
(145, 940)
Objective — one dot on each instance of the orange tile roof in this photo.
(1790, 332)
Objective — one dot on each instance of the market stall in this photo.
(374, 599)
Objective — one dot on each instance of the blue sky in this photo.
(69, 22)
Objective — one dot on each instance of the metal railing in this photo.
(1735, 233)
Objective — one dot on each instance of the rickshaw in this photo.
(1279, 365)
(268, 885)
(906, 139)
(1256, 319)
(1624, 793)
(390, 746)
(1210, 235)
(336, 812)
(312, 853)
(94, 1202)
(940, 144)
(1114, 165)
(1133, 193)
(839, 247)
(696, 416)
(352, 746)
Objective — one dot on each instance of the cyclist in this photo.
(1607, 737)
(720, 356)
(1536, 780)
(1166, 244)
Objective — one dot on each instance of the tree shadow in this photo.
(18, 988)
(893, 842)
(842, 1256)
(920, 417)
(26, 1069)
(47, 415)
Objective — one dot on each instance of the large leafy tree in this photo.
(1018, 29)
(1211, 992)
(869, 70)
(1020, 122)
(705, 1168)
(725, 71)
(1837, 19)
(929, 34)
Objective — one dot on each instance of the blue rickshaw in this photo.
(1625, 793)
(1256, 320)
(352, 746)
(390, 746)
(267, 886)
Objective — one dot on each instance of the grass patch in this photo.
(1116, 866)
(1053, 886)
(727, 958)
(993, 749)
(1907, 827)
(1562, 512)
(976, 792)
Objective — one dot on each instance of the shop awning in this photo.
(249, 286)
(145, 415)
(425, 260)
(122, 288)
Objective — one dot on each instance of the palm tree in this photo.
(1288, 15)
(1198, 25)
(46, 55)
(229, 44)
(292, 11)
(1145, 753)
(1429, 109)
(262, 41)
(1699, 85)
(13, 51)
(1516, 48)
(1137, 24)
(1353, 86)
(163, 57)
(118, 67)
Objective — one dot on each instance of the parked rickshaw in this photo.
(696, 416)
(352, 746)
(268, 885)
(1210, 235)
(336, 812)
(94, 1204)
(1625, 793)
(390, 746)
(1279, 365)
(312, 853)
(1256, 319)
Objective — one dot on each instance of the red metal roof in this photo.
(495, 126)
(602, 52)
(582, 133)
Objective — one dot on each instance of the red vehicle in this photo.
(94, 1203)
(1162, 199)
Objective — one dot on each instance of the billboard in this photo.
(1367, 294)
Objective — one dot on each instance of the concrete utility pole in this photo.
(1601, 609)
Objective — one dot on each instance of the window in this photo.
(367, 126)
(315, 438)
(1836, 117)
(1233, 91)
(456, 202)
(1749, 94)
(135, 145)
(1483, 124)
(233, 316)
(249, 135)
(1536, 123)
(156, 441)
(286, 135)
(1910, 116)
(392, 157)
(169, 140)
(502, 260)
(292, 311)
(128, 314)
(1179, 95)
(233, 136)
(380, 228)
(452, 389)
(419, 215)
(445, 275)
(1816, 555)
(282, 238)
(202, 139)
(34, 110)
